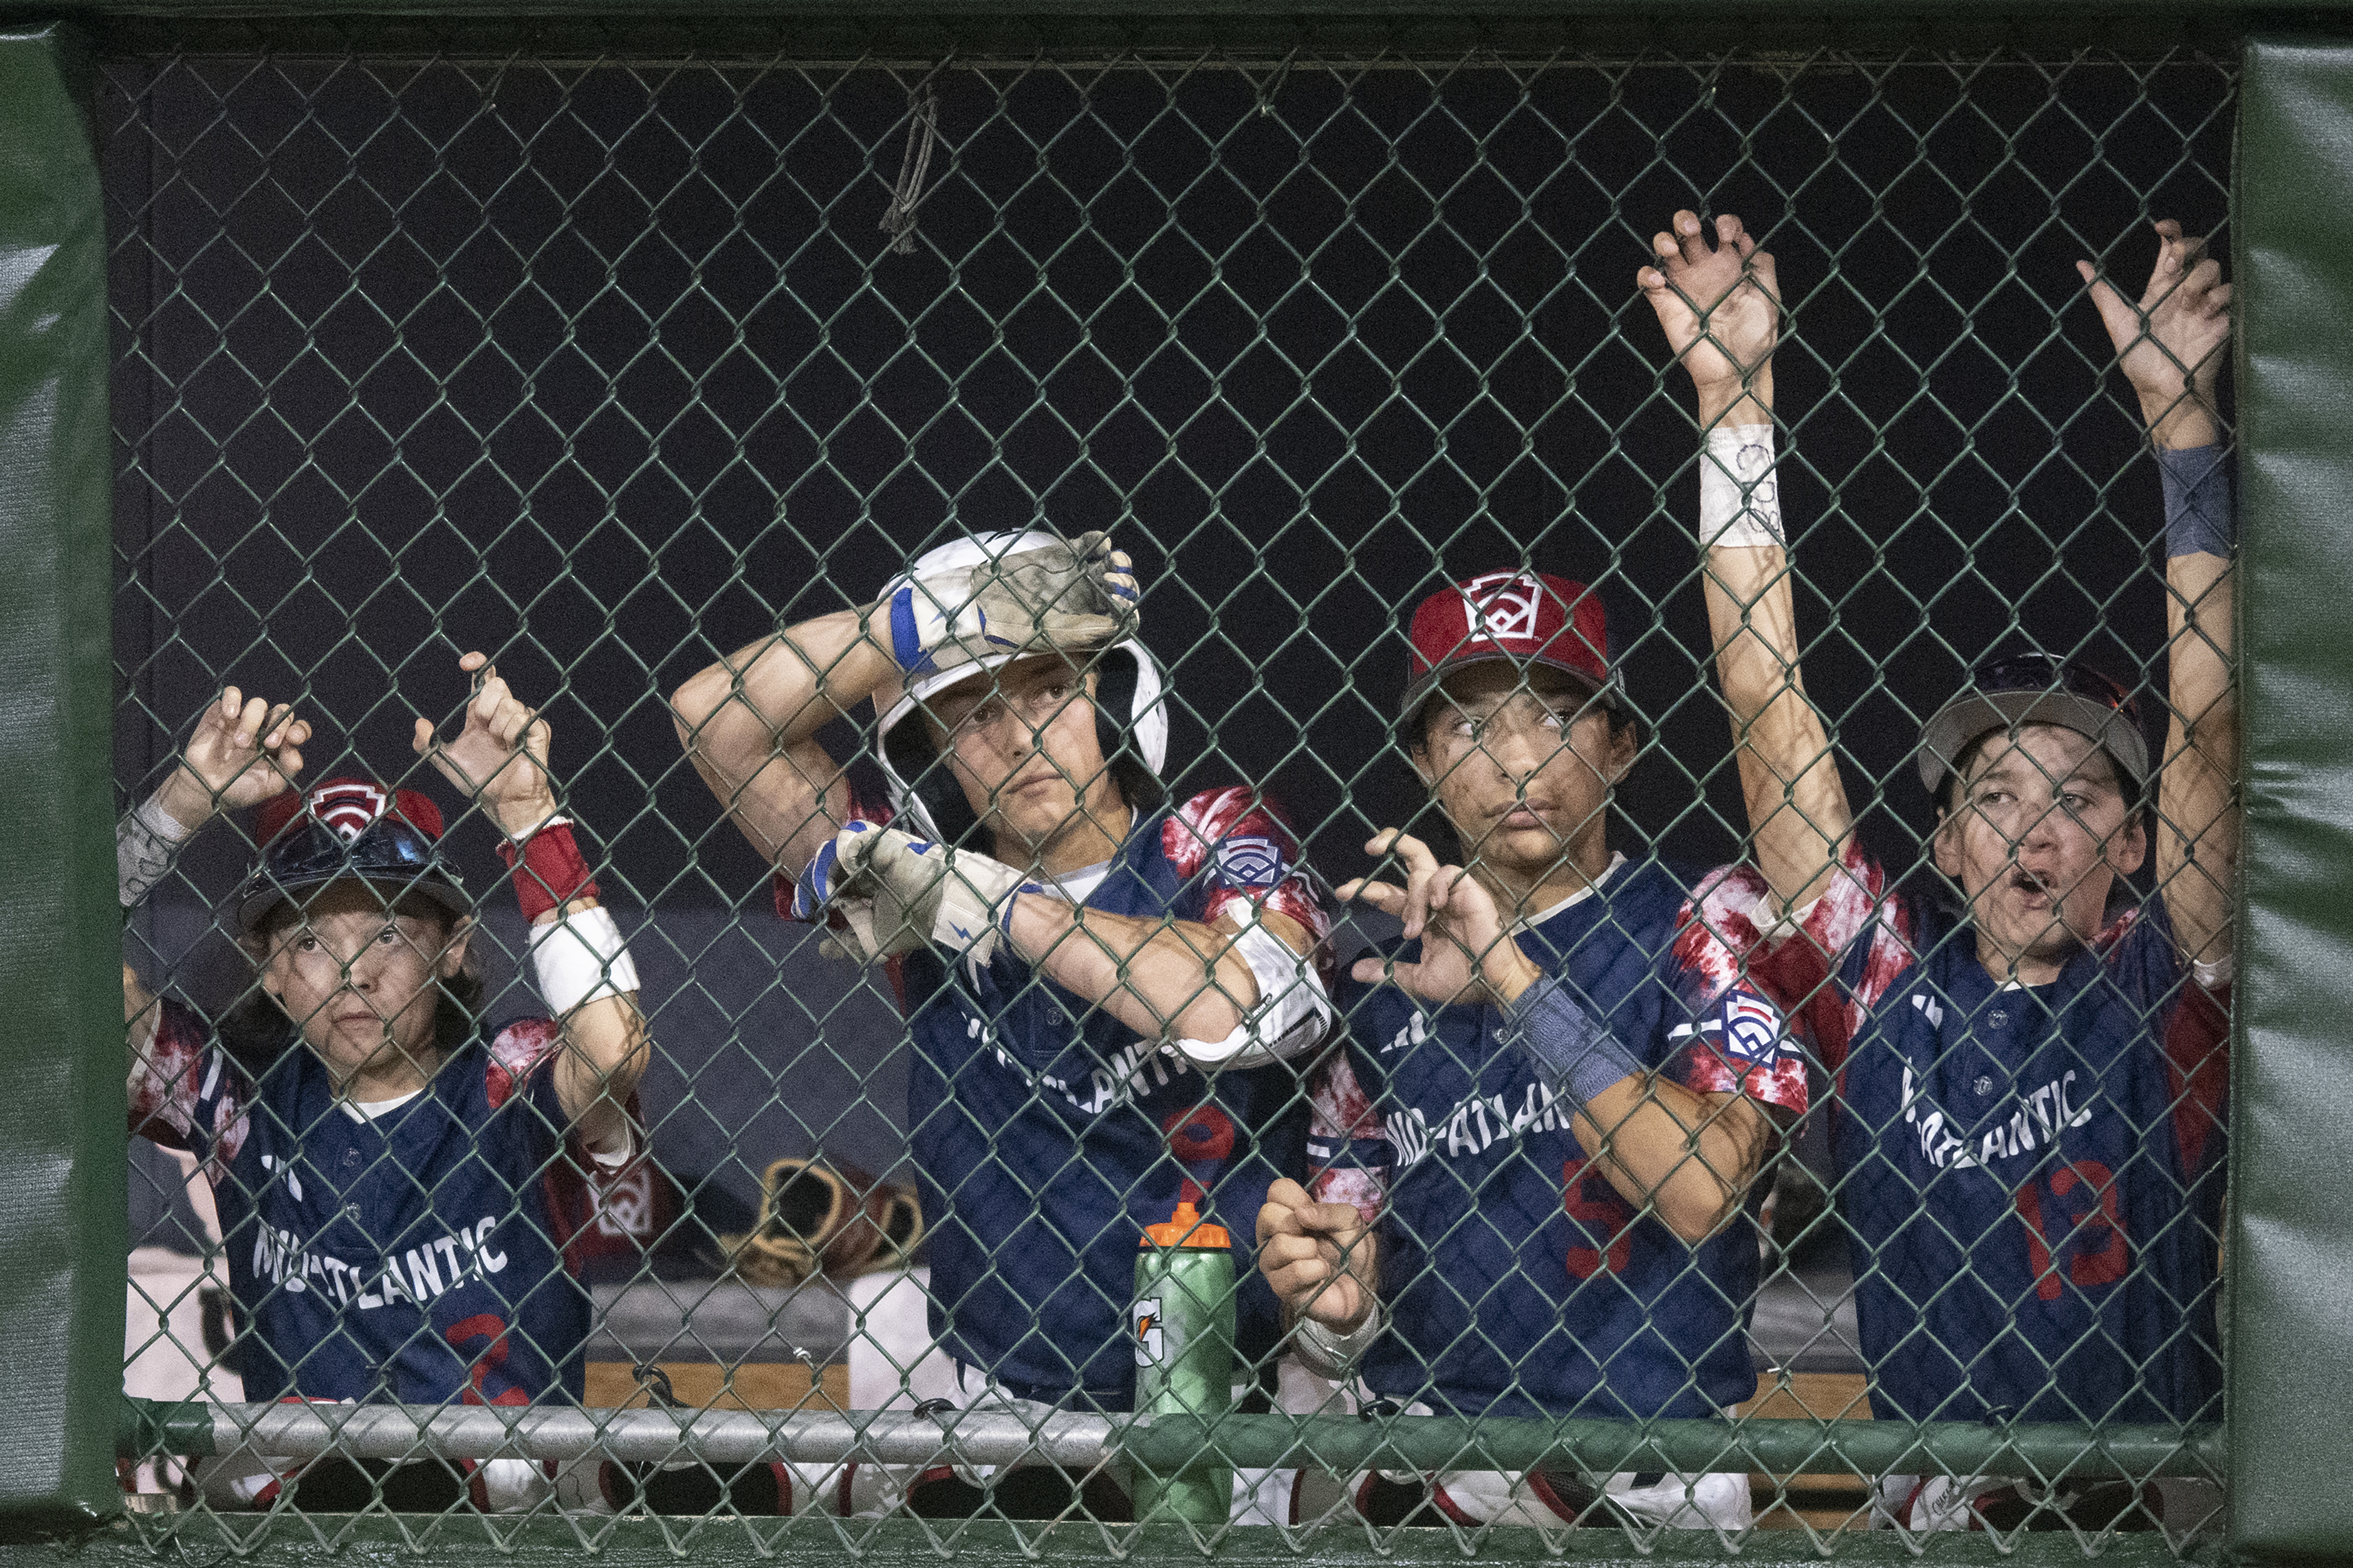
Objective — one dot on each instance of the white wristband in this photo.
(581, 959)
(1739, 495)
(143, 842)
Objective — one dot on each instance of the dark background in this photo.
(608, 369)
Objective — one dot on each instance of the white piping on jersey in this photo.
(611, 1157)
(1077, 887)
(1530, 922)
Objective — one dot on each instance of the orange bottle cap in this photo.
(1184, 1228)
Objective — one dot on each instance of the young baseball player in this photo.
(1577, 1093)
(2030, 1085)
(1084, 968)
(381, 1163)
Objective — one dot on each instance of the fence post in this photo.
(62, 1168)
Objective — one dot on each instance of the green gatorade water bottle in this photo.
(1182, 1320)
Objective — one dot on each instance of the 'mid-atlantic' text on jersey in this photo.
(410, 1258)
(2033, 1175)
(1519, 1281)
(1039, 1122)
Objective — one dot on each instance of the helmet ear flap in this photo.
(931, 787)
(1115, 687)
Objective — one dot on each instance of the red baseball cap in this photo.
(1527, 618)
(347, 805)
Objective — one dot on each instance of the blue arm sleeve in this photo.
(2199, 519)
(1575, 1054)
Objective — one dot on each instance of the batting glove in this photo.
(824, 890)
(958, 900)
(1077, 594)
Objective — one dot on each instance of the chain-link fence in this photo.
(611, 365)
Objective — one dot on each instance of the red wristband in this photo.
(549, 872)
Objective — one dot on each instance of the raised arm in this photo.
(244, 752)
(1720, 306)
(2170, 347)
(499, 760)
(749, 724)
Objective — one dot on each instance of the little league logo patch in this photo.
(1249, 862)
(1503, 606)
(1747, 1028)
(347, 808)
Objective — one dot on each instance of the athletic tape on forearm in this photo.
(1327, 1352)
(549, 869)
(581, 958)
(1739, 494)
(2199, 517)
(143, 842)
(1293, 1012)
(1577, 1057)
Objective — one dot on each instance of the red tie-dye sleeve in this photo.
(185, 1092)
(1728, 939)
(1737, 1037)
(1345, 1140)
(1237, 843)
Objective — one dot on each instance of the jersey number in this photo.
(465, 1332)
(2101, 1255)
(1590, 1199)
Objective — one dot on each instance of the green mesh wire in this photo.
(607, 362)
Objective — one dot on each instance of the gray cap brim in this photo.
(257, 898)
(1975, 713)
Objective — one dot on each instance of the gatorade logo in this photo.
(1151, 1343)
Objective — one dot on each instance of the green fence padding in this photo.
(61, 1166)
(2291, 1243)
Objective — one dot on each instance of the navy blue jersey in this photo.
(2032, 1177)
(1040, 1123)
(1519, 1282)
(411, 1257)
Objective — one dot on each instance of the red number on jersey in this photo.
(1590, 1199)
(2089, 1266)
(493, 1358)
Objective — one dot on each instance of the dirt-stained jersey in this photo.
(411, 1257)
(1519, 1282)
(2032, 1175)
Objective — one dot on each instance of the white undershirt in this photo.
(1078, 885)
(370, 1110)
(1529, 922)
